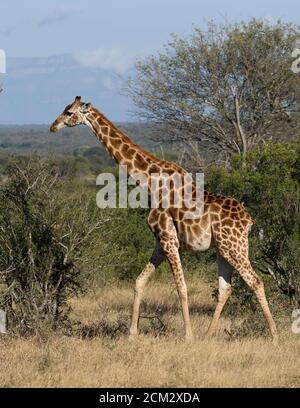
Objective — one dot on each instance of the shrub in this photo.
(268, 182)
(43, 234)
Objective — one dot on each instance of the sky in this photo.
(115, 32)
(102, 36)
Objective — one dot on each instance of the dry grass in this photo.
(103, 356)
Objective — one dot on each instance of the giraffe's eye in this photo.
(69, 113)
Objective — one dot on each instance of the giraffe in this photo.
(223, 224)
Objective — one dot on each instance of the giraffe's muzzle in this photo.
(53, 128)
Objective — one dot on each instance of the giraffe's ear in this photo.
(86, 107)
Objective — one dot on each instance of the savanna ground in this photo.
(89, 346)
(100, 354)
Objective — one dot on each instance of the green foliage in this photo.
(267, 180)
(129, 243)
(43, 236)
(135, 241)
(54, 241)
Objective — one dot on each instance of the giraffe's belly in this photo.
(194, 239)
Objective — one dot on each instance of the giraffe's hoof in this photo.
(209, 334)
(189, 337)
(275, 340)
(132, 337)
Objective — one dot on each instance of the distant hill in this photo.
(80, 142)
(37, 89)
(26, 139)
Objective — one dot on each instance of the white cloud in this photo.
(111, 59)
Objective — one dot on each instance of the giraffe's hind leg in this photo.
(225, 272)
(141, 281)
(240, 261)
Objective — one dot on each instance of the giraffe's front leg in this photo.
(173, 257)
(156, 259)
(169, 243)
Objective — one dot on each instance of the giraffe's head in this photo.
(73, 115)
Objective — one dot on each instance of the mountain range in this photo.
(35, 90)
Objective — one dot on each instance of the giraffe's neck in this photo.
(123, 150)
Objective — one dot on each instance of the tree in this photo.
(229, 85)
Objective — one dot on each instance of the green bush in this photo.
(267, 181)
(43, 235)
